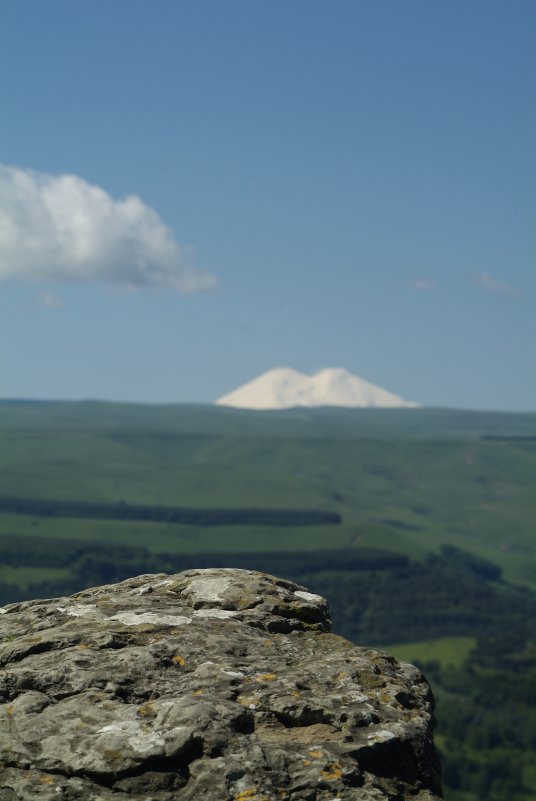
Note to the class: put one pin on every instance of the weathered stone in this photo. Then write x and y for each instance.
(221, 685)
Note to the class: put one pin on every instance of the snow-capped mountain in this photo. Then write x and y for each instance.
(284, 388)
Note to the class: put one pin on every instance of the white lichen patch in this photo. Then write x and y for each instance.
(223, 614)
(140, 618)
(380, 736)
(127, 733)
(234, 674)
(208, 588)
(310, 597)
(3, 611)
(148, 588)
(79, 610)
(358, 698)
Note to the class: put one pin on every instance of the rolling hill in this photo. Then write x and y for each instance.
(408, 480)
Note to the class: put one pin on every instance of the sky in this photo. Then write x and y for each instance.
(193, 192)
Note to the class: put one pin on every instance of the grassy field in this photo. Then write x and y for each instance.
(448, 651)
(25, 576)
(325, 422)
(404, 480)
(170, 538)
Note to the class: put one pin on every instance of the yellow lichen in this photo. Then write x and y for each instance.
(316, 753)
(332, 771)
(111, 754)
(249, 795)
(247, 700)
(46, 780)
(146, 711)
(198, 692)
(179, 660)
(10, 710)
(267, 677)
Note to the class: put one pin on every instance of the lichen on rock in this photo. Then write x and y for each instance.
(221, 684)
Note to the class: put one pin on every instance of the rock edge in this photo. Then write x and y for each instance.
(219, 684)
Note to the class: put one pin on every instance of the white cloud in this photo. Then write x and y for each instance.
(490, 284)
(61, 228)
(422, 284)
(49, 300)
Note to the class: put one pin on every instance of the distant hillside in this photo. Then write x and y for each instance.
(405, 480)
(206, 419)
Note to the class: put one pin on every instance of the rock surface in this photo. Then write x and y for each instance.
(213, 685)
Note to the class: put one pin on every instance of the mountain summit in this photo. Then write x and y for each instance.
(284, 388)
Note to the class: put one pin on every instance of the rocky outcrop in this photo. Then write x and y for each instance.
(209, 685)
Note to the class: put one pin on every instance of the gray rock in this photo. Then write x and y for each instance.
(213, 685)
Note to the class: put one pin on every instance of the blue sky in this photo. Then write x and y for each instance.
(192, 193)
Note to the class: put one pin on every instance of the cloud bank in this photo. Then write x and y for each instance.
(61, 228)
(490, 284)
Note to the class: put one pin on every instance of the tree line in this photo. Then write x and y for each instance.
(43, 507)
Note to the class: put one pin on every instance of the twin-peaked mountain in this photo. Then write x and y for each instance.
(284, 388)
